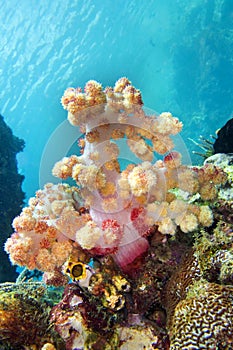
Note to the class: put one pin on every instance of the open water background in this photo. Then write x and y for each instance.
(179, 53)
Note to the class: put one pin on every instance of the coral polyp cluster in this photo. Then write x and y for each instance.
(74, 100)
(131, 230)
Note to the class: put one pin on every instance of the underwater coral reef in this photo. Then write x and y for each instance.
(140, 242)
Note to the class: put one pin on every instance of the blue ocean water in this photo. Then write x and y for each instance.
(177, 52)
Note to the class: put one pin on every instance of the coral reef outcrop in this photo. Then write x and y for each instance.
(139, 240)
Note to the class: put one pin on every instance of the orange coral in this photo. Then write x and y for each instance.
(171, 194)
(63, 168)
(121, 84)
(42, 245)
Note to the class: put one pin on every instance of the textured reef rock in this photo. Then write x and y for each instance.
(85, 324)
(199, 295)
(11, 194)
(24, 318)
(203, 320)
(141, 243)
(199, 312)
(225, 162)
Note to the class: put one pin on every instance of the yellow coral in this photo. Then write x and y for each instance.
(205, 216)
(108, 189)
(187, 181)
(117, 134)
(112, 165)
(93, 88)
(141, 179)
(93, 136)
(167, 124)
(141, 149)
(121, 84)
(48, 346)
(162, 144)
(54, 219)
(88, 176)
(188, 222)
(167, 226)
(88, 235)
(208, 191)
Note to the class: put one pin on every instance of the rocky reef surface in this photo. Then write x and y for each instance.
(138, 257)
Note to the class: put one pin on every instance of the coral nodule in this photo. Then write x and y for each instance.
(120, 231)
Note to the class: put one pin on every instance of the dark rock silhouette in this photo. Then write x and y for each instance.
(11, 194)
(224, 141)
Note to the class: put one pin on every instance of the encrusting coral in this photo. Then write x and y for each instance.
(25, 318)
(121, 231)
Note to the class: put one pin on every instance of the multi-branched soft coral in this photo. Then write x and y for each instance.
(120, 206)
